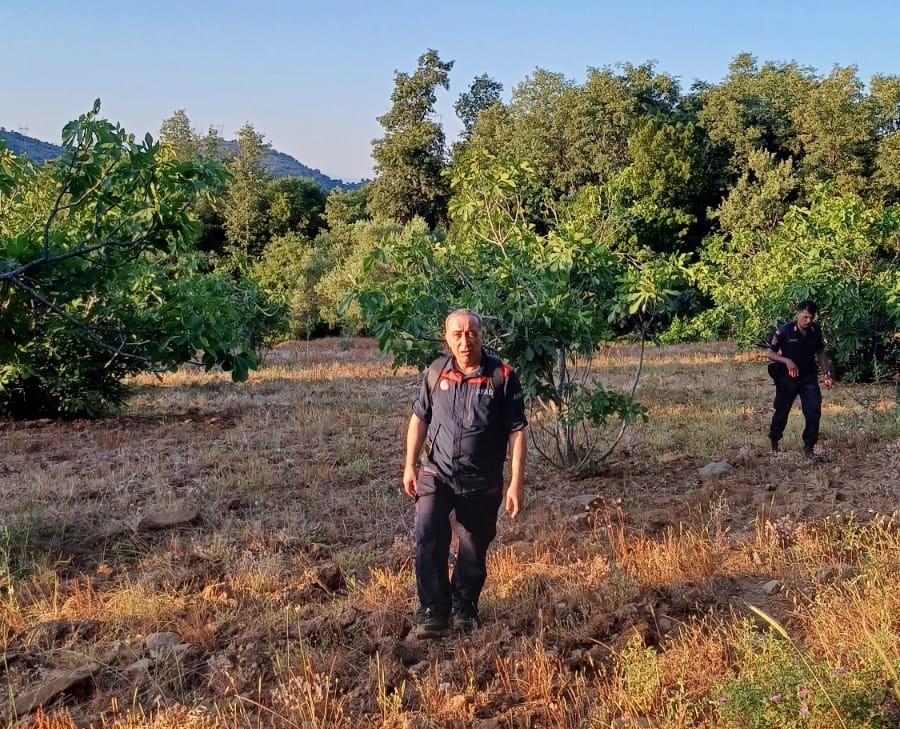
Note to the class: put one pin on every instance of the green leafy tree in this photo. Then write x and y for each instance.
(539, 134)
(625, 128)
(838, 252)
(410, 157)
(753, 109)
(310, 276)
(575, 135)
(288, 271)
(885, 100)
(346, 248)
(749, 122)
(659, 185)
(177, 133)
(761, 196)
(183, 141)
(211, 144)
(482, 94)
(243, 208)
(615, 103)
(345, 207)
(826, 126)
(549, 301)
(835, 128)
(293, 205)
(98, 273)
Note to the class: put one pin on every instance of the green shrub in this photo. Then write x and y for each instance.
(774, 686)
(288, 270)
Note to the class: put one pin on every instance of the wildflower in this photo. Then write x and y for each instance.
(775, 699)
(841, 669)
(803, 693)
(722, 699)
(804, 709)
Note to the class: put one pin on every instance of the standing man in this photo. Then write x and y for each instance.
(470, 415)
(794, 351)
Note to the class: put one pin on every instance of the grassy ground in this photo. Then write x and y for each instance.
(224, 555)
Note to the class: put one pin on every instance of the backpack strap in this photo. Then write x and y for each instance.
(498, 378)
(434, 372)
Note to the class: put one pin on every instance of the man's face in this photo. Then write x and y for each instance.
(804, 319)
(464, 339)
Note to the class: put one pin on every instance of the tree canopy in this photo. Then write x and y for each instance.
(614, 205)
(99, 277)
(410, 157)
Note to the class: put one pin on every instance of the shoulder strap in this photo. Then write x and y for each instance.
(779, 334)
(434, 372)
(498, 378)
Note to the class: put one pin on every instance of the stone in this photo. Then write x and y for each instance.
(167, 519)
(771, 587)
(586, 502)
(139, 670)
(716, 469)
(51, 689)
(167, 646)
(836, 572)
(161, 641)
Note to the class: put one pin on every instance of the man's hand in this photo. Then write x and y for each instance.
(827, 382)
(515, 494)
(514, 498)
(415, 437)
(791, 367)
(409, 481)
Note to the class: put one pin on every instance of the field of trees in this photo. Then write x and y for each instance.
(179, 549)
(572, 214)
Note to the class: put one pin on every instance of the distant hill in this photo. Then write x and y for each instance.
(22, 146)
(281, 164)
(278, 163)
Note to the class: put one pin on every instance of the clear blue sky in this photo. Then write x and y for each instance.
(312, 77)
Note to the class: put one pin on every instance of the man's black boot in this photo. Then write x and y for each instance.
(810, 455)
(465, 617)
(431, 626)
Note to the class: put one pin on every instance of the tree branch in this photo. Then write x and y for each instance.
(87, 329)
(80, 252)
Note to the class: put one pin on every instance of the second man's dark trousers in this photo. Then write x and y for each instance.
(786, 391)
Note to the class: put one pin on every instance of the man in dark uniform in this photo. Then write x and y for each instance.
(470, 417)
(795, 350)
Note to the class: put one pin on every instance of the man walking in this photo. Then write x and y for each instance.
(469, 415)
(794, 351)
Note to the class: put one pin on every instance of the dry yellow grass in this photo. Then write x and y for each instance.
(614, 597)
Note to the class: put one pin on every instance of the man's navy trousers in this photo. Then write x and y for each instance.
(476, 527)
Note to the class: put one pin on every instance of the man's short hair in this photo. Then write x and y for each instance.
(463, 312)
(808, 305)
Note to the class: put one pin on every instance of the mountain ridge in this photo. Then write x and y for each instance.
(279, 164)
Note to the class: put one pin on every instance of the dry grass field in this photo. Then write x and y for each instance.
(228, 555)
